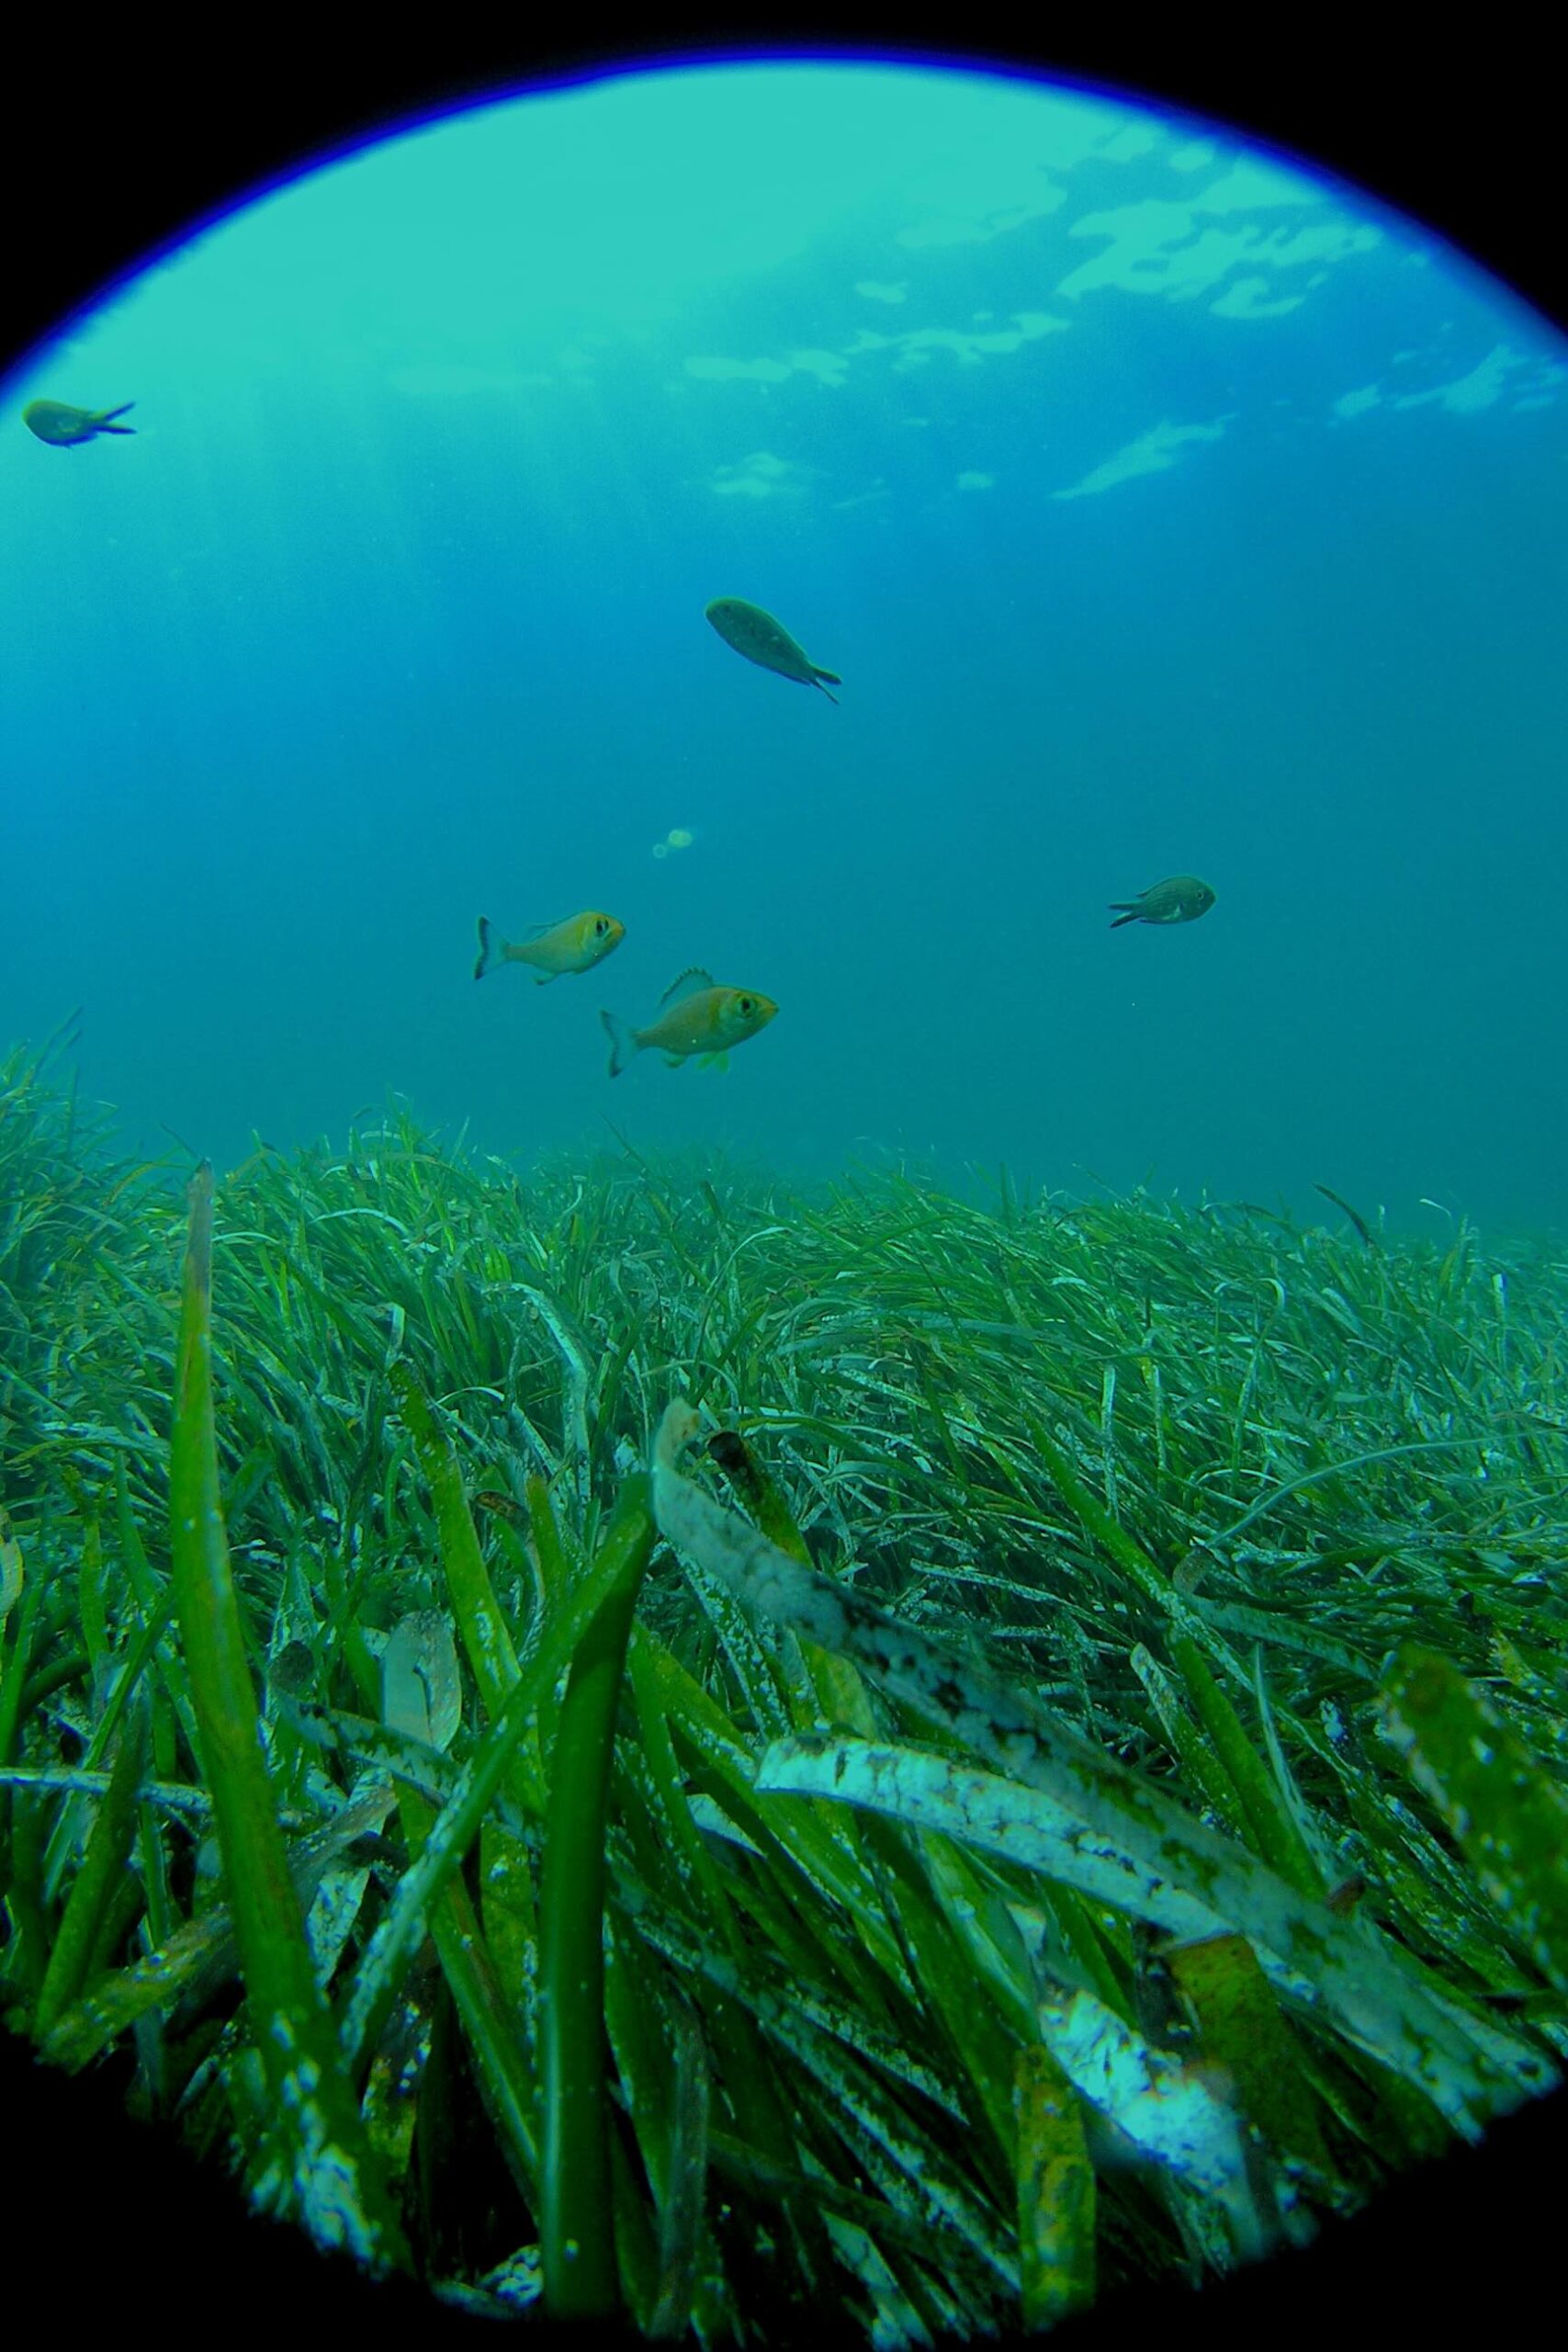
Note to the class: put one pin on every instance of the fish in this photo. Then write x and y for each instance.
(552, 949)
(1181, 899)
(696, 1018)
(66, 428)
(759, 636)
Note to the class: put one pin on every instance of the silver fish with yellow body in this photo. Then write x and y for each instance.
(66, 428)
(761, 639)
(696, 1018)
(1181, 899)
(552, 949)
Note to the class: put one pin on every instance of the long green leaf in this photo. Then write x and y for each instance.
(1510, 1818)
(575, 2217)
(321, 2166)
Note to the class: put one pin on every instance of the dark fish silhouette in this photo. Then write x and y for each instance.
(66, 428)
(1181, 899)
(759, 636)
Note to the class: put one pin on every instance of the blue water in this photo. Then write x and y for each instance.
(1164, 509)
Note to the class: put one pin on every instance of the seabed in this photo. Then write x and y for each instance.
(634, 1739)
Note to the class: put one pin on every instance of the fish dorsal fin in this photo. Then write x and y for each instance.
(538, 930)
(691, 983)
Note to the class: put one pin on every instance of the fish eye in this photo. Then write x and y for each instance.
(748, 1004)
(601, 927)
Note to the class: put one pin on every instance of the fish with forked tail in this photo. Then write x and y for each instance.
(66, 428)
(754, 633)
(552, 949)
(695, 1019)
(1180, 899)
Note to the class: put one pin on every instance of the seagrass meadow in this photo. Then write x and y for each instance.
(629, 1740)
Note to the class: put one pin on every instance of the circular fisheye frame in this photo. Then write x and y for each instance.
(909, 1670)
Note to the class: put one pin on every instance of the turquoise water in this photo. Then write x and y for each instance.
(1164, 509)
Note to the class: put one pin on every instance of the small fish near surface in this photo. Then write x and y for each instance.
(696, 1018)
(551, 949)
(1181, 899)
(67, 428)
(760, 637)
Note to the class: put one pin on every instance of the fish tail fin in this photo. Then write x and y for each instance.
(823, 679)
(105, 416)
(492, 948)
(1129, 913)
(622, 1041)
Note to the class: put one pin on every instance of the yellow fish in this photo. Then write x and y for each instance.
(695, 1017)
(55, 422)
(575, 945)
